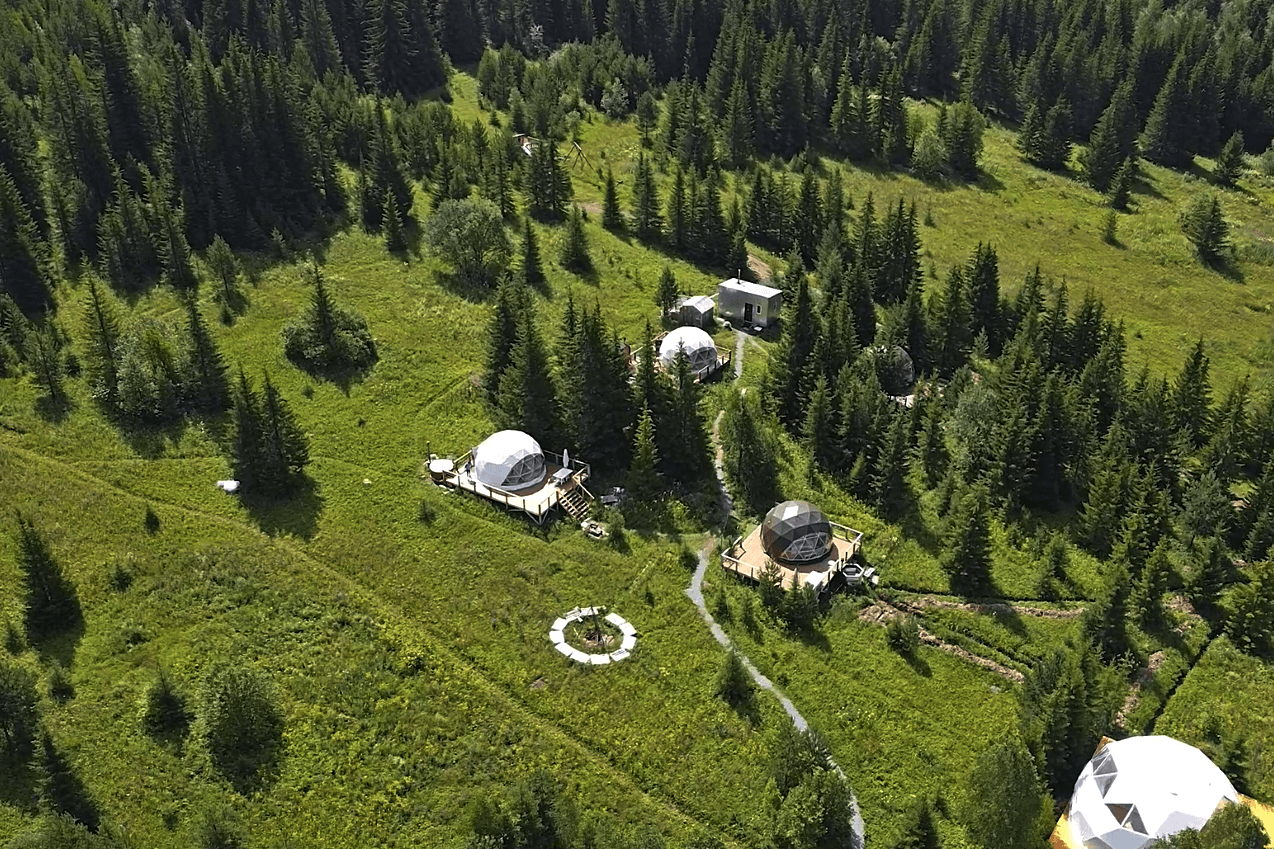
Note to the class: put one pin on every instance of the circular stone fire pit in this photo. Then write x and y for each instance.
(558, 636)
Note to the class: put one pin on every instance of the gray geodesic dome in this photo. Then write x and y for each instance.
(1137, 790)
(509, 459)
(695, 343)
(796, 532)
(894, 369)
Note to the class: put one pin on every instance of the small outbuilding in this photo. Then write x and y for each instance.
(750, 303)
(697, 346)
(697, 311)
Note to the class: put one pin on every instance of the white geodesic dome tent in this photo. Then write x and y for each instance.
(1135, 791)
(509, 459)
(695, 343)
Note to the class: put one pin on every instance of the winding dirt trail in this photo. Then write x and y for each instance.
(695, 593)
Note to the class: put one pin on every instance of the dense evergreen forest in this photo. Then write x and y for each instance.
(135, 133)
(162, 144)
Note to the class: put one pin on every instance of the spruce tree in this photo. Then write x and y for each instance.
(1147, 595)
(612, 216)
(687, 452)
(890, 493)
(548, 185)
(1121, 186)
(677, 212)
(532, 269)
(318, 38)
(1191, 402)
(103, 328)
(793, 354)
(44, 354)
(395, 236)
(858, 292)
(206, 384)
(643, 481)
(646, 219)
(575, 255)
(19, 156)
(460, 30)
(963, 138)
(1229, 162)
(225, 270)
(667, 292)
(1030, 134)
(1166, 135)
(1055, 563)
(1113, 139)
(248, 447)
(1003, 802)
(52, 606)
(1104, 622)
(401, 52)
(1203, 223)
(502, 333)
(983, 279)
(24, 274)
(818, 431)
(526, 399)
(1212, 571)
(931, 448)
(1054, 148)
(967, 559)
(285, 450)
(750, 455)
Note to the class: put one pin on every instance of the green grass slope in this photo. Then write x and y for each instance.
(405, 628)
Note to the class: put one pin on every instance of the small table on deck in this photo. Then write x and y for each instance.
(561, 476)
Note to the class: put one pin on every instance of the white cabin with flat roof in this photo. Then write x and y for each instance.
(751, 304)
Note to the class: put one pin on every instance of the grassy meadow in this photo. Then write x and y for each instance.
(405, 628)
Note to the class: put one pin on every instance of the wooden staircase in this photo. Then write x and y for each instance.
(575, 502)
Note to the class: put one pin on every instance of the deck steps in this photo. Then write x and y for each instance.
(575, 503)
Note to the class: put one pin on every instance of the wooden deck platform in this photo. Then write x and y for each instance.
(747, 559)
(724, 356)
(539, 501)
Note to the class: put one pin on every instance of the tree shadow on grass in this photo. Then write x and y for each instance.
(1227, 268)
(918, 664)
(231, 306)
(295, 514)
(54, 409)
(1142, 185)
(474, 293)
(986, 182)
(1010, 619)
(18, 785)
(61, 647)
(344, 378)
(746, 708)
(254, 772)
(150, 441)
(61, 790)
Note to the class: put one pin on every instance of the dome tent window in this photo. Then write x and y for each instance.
(509, 459)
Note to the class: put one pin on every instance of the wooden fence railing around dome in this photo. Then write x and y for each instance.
(537, 502)
(747, 559)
